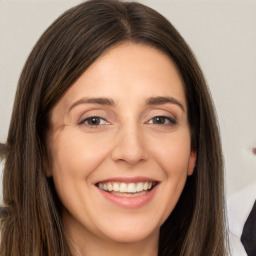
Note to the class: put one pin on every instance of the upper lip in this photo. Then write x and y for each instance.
(128, 179)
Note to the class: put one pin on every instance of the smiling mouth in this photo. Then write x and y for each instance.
(127, 189)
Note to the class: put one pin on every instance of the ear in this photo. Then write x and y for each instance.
(192, 162)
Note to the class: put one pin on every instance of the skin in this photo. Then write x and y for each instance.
(127, 141)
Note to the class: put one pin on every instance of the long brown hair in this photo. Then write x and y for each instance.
(67, 48)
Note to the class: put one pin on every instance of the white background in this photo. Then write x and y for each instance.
(222, 35)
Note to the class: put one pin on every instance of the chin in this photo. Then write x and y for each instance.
(129, 235)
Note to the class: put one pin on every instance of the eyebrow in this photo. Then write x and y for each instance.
(100, 101)
(164, 100)
(109, 102)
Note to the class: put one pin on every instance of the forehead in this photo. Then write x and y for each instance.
(129, 72)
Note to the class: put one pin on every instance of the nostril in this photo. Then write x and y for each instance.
(254, 151)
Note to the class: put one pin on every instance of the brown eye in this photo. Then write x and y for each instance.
(94, 121)
(160, 120)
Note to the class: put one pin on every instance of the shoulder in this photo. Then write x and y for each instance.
(239, 207)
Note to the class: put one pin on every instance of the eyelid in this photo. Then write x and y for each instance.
(172, 121)
(93, 111)
(84, 120)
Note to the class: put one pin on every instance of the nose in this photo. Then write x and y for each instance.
(129, 146)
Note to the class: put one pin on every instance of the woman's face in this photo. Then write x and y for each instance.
(120, 145)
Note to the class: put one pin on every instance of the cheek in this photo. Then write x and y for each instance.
(173, 157)
(172, 153)
(76, 155)
(75, 158)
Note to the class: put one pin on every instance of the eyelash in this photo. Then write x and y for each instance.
(167, 121)
(91, 118)
(170, 121)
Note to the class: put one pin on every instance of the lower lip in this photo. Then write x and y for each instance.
(130, 202)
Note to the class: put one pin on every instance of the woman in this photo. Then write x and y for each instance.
(113, 145)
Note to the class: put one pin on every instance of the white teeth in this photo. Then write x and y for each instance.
(116, 187)
(145, 186)
(125, 187)
(139, 187)
(109, 186)
(131, 188)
